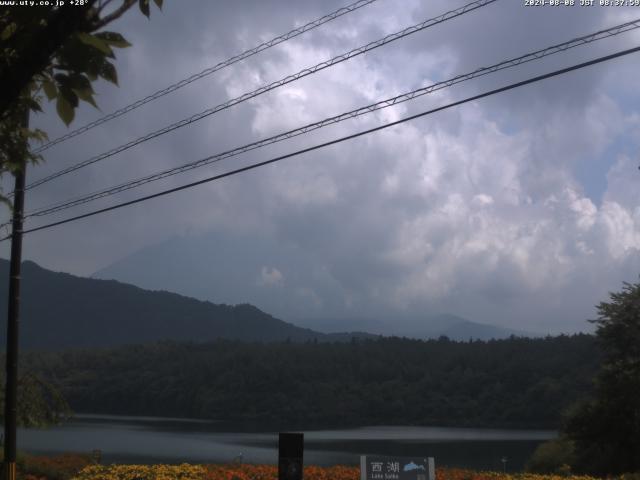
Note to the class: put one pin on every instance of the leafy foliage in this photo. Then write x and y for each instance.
(83, 56)
(40, 403)
(555, 456)
(137, 472)
(74, 466)
(511, 383)
(59, 467)
(270, 472)
(463, 474)
(606, 429)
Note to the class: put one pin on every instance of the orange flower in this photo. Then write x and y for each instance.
(64, 467)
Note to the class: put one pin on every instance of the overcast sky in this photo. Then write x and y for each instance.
(522, 209)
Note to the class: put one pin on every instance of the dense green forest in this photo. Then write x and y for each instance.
(519, 382)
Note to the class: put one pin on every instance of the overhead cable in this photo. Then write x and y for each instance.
(538, 54)
(208, 71)
(335, 141)
(266, 88)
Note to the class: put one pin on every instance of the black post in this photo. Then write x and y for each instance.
(11, 388)
(290, 449)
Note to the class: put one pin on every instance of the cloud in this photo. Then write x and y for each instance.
(483, 210)
(270, 277)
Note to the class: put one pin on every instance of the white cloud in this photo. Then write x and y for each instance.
(270, 277)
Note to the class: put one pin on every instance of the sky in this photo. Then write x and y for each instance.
(521, 209)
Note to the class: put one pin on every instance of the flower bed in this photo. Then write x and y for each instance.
(140, 472)
(462, 474)
(58, 467)
(270, 472)
(80, 467)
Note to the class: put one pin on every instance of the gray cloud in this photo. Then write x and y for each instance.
(478, 211)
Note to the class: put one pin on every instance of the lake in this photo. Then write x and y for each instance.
(125, 439)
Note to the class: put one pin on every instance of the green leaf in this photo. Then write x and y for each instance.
(94, 67)
(61, 78)
(95, 42)
(39, 135)
(158, 3)
(109, 73)
(34, 105)
(65, 110)
(8, 31)
(33, 86)
(144, 7)
(86, 95)
(49, 88)
(69, 95)
(79, 82)
(78, 56)
(114, 39)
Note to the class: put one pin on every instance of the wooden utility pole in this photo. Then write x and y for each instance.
(13, 320)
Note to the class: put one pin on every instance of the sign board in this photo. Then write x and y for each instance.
(290, 453)
(373, 467)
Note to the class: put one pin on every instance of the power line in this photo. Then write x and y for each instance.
(266, 88)
(338, 140)
(539, 54)
(208, 71)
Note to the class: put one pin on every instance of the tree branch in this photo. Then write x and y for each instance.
(103, 4)
(126, 5)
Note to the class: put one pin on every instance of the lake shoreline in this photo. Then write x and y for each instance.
(159, 440)
(274, 426)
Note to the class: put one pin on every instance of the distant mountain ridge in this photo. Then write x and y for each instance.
(60, 310)
(280, 278)
(429, 326)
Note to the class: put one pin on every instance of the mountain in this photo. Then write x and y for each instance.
(428, 326)
(59, 310)
(458, 328)
(226, 267)
(465, 330)
(282, 279)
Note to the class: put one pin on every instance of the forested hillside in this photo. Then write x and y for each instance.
(504, 383)
(64, 311)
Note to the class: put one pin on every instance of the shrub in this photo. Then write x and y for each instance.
(59, 467)
(552, 457)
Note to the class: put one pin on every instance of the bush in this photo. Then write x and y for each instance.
(606, 430)
(59, 467)
(552, 457)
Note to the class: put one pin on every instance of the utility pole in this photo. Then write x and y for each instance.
(13, 320)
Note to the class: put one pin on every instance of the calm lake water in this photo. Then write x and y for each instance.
(150, 440)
